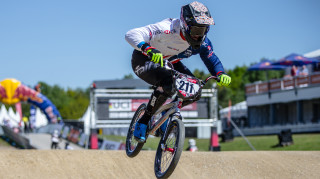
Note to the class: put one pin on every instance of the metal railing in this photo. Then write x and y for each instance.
(283, 84)
(187, 123)
(125, 93)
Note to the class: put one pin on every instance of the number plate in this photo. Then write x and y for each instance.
(187, 86)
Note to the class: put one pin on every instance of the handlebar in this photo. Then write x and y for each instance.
(169, 66)
(209, 78)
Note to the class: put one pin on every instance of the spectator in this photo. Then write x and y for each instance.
(298, 71)
(26, 124)
(192, 146)
(55, 138)
(304, 71)
(68, 147)
(293, 71)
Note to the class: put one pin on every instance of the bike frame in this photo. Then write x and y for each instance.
(174, 107)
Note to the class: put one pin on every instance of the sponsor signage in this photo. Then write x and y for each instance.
(125, 108)
(112, 145)
(275, 85)
(120, 105)
(251, 89)
(315, 79)
(288, 83)
(302, 80)
(263, 87)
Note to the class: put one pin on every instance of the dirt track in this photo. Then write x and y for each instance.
(115, 164)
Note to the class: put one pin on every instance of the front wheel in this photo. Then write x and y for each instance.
(132, 146)
(169, 150)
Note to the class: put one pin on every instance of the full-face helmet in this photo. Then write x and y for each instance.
(195, 21)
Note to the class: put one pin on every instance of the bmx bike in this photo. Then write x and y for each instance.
(172, 138)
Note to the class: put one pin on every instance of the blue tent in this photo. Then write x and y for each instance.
(295, 59)
(266, 65)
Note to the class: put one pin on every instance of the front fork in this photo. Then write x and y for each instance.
(165, 133)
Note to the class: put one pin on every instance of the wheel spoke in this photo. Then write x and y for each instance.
(131, 143)
(169, 150)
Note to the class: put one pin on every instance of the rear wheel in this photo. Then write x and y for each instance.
(169, 150)
(132, 146)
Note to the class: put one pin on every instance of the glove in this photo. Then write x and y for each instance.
(155, 56)
(225, 80)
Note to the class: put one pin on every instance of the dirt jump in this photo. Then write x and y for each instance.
(115, 164)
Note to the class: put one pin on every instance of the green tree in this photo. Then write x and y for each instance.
(71, 103)
(237, 86)
(128, 76)
(235, 92)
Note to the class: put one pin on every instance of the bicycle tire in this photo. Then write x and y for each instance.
(132, 146)
(178, 126)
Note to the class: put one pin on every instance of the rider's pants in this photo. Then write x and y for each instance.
(153, 74)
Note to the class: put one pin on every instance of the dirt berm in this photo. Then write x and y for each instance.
(115, 164)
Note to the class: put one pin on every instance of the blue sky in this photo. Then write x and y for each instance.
(73, 42)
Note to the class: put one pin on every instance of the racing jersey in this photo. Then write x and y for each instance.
(166, 37)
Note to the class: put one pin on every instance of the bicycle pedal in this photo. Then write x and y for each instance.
(140, 140)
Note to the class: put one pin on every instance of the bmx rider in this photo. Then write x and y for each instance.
(173, 40)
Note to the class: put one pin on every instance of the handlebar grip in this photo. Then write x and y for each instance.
(218, 79)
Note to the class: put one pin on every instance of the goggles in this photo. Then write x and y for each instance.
(198, 31)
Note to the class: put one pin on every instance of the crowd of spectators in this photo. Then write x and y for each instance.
(298, 71)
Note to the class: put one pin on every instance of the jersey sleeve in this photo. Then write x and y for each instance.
(138, 36)
(210, 59)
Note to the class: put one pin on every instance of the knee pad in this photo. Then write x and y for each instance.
(168, 90)
(158, 98)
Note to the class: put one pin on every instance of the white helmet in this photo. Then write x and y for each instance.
(192, 142)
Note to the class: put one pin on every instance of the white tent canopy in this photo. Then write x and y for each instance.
(86, 119)
(9, 118)
(13, 116)
(41, 119)
(12, 119)
(3, 115)
(313, 54)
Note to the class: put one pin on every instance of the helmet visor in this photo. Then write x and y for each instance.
(198, 31)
